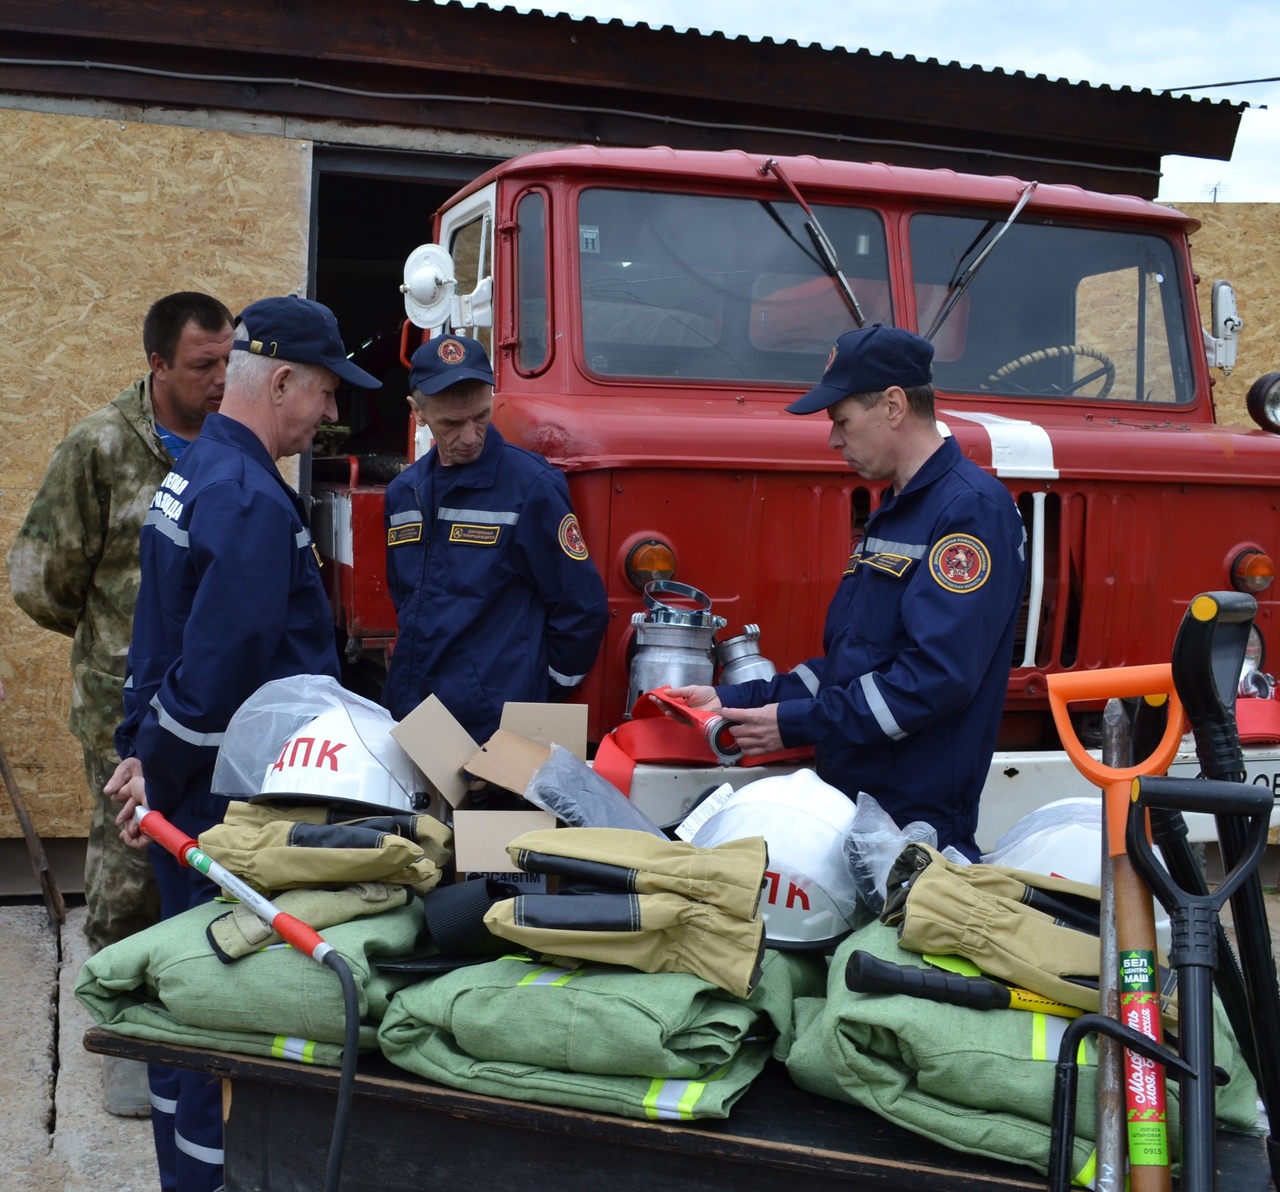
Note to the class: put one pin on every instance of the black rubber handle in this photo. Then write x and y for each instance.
(865, 973)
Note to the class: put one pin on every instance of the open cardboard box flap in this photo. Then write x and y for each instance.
(522, 744)
(445, 752)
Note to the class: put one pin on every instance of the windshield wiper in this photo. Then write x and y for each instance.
(826, 250)
(957, 290)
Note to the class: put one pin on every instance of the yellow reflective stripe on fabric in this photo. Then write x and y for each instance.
(1046, 1038)
(549, 975)
(1088, 1173)
(290, 1047)
(674, 1100)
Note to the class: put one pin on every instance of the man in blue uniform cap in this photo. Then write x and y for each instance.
(495, 597)
(905, 702)
(230, 598)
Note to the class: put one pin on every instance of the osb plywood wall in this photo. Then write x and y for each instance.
(99, 218)
(1240, 242)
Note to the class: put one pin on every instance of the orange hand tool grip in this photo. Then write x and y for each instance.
(1115, 683)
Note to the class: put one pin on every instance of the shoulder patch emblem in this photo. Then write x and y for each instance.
(570, 536)
(451, 352)
(960, 563)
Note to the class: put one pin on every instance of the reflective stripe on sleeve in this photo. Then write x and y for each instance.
(878, 545)
(404, 517)
(168, 527)
(879, 709)
(180, 730)
(807, 677)
(565, 680)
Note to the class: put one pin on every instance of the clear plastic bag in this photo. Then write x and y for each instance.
(576, 795)
(269, 717)
(872, 844)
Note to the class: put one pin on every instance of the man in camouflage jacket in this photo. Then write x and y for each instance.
(74, 565)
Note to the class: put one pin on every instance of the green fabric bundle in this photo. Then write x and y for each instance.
(655, 1045)
(980, 1081)
(167, 984)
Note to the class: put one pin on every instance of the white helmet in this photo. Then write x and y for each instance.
(345, 755)
(809, 895)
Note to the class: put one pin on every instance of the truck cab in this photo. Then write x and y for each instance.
(650, 313)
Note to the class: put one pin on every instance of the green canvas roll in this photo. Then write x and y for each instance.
(166, 983)
(599, 1019)
(980, 1081)
(438, 1057)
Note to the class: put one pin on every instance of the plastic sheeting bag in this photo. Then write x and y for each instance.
(576, 795)
(271, 715)
(1061, 839)
(872, 843)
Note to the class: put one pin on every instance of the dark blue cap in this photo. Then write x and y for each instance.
(869, 360)
(446, 360)
(304, 332)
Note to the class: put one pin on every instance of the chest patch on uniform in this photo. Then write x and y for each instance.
(472, 535)
(960, 563)
(570, 536)
(399, 535)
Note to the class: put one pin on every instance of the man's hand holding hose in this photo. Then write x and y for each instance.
(754, 729)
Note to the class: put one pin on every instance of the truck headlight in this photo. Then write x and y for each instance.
(1263, 401)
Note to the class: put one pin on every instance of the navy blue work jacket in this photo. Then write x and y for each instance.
(905, 704)
(495, 597)
(231, 598)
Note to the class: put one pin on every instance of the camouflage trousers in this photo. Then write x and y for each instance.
(119, 886)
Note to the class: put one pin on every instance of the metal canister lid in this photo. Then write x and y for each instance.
(662, 613)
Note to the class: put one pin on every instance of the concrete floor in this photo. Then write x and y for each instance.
(57, 1137)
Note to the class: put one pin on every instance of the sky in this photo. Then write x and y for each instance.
(1155, 44)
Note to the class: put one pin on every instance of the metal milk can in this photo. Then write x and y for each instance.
(740, 658)
(674, 646)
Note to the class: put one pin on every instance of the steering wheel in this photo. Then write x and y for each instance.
(1108, 368)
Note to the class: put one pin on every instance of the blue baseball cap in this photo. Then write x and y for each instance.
(299, 330)
(447, 359)
(869, 360)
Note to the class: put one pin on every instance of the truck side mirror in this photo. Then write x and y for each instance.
(429, 286)
(1220, 344)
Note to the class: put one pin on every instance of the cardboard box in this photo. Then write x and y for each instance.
(445, 752)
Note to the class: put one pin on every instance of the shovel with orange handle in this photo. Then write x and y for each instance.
(1149, 1169)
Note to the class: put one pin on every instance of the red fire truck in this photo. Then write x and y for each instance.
(650, 312)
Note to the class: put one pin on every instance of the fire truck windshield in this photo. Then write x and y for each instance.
(1055, 312)
(716, 288)
(719, 288)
